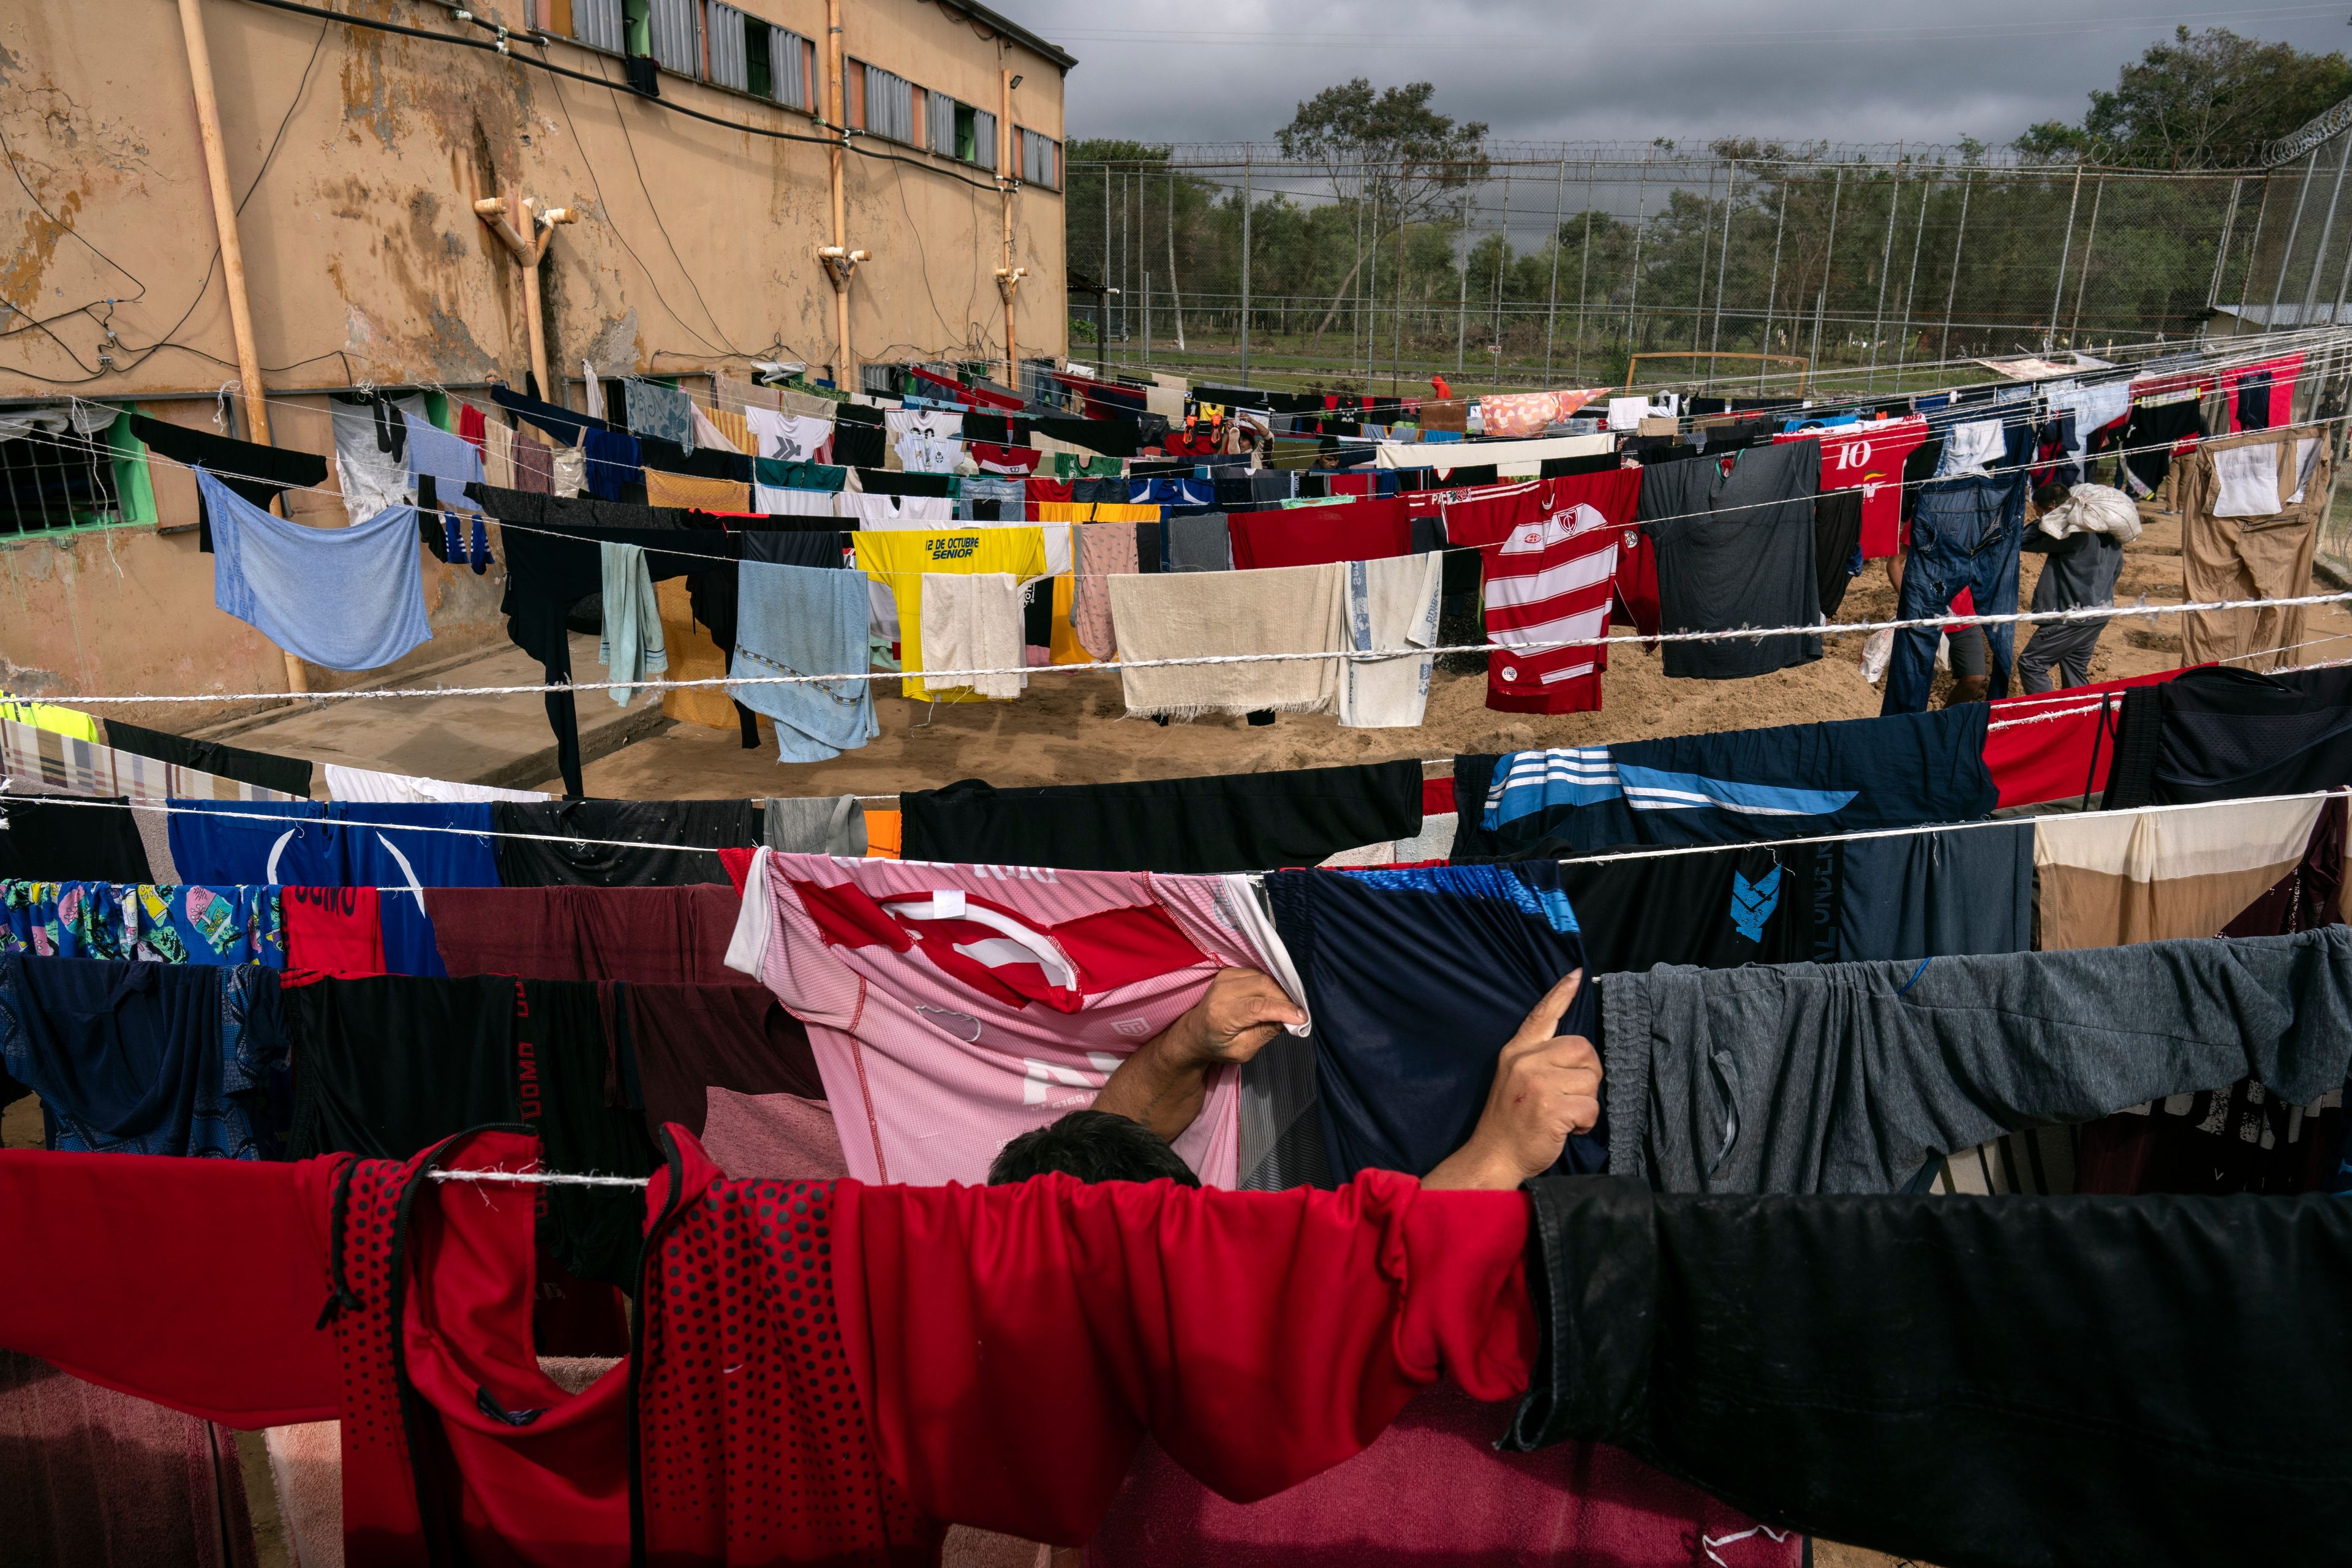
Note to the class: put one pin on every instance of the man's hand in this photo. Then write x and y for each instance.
(1164, 1084)
(1235, 1016)
(1546, 1087)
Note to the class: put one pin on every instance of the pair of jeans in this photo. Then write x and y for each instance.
(1966, 534)
(1963, 1380)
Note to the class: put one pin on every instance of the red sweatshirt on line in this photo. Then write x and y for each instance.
(825, 1372)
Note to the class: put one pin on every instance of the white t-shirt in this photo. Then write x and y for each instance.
(792, 437)
(881, 511)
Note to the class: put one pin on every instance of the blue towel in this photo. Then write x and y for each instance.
(450, 461)
(348, 598)
(804, 620)
(662, 412)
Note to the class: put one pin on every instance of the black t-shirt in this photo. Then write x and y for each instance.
(575, 858)
(1735, 550)
(76, 840)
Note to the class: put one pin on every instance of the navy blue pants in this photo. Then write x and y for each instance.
(1967, 535)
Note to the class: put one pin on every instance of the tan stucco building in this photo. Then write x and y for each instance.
(357, 152)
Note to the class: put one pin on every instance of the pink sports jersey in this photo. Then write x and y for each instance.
(1550, 577)
(951, 1008)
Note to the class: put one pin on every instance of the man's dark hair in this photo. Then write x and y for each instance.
(1094, 1146)
(2051, 496)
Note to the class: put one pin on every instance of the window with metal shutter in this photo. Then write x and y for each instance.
(729, 65)
(984, 138)
(940, 123)
(890, 105)
(677, 28)
(787, 51)
(597, 23)
(1037, 160)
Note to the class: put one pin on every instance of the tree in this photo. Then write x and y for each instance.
(2202, 100)
(1388, 151)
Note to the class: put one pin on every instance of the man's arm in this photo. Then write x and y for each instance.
(1164, 1084)
(1546, 1087)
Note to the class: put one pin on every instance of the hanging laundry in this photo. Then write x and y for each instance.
(1548, 577)
(1719, 909)
(1710, 1073)
(1735, 549)
(692, 1044)
(972, 621)
(72, 723)
(335, 931)
(386, 1068)
(370, 451)
(630, 645)
(820, 825)
(2224, 733)
(498, 450)
(86, 839)
(699, 494)
(1938, 894)
(592, 393)
(807, 621)
(452, 464)
(1237, 1308)
(2040, 1443)
(567, 473)
(272, 773)
(1966, 533)
(927, 441)
(790, 438)
(994, 458)
(896, 561)
(1290, 609)
(257, 474)
(661, 412)
(881, 513)
(1869, 459)
(2109, 879)
(142, 1058)
(1407, 1029)
(1791, 781)
(1200, 544)
(364, 784)
(584, 843)
(143, 922)
(1392, 604)
(916, 982)
(1348, 530)
(1236, 822)
(348, 598)
(2251, 507)
(2068, 749)
(610, 465)
(709, 436)
(662, 935)
(2163, 425)
(1104, 549)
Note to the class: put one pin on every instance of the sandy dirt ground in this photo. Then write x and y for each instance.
(1072, 729)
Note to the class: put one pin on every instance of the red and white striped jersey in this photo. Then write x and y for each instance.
(1550, 577)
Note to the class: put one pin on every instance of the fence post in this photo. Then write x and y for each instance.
(1584, 264)
(1722, 269)
(1502, 259)
(1175, 298)
(2065, 249)
(2327, 232)
(2286, 251)
(1952, 290)
(2083, 275)
(1371, 311)
(1634, 294)
(1706, 240)
(1102, 278)
(1828, 261)
(1461, 305)
(1396, 328)
(1551, 306)
(2220, 257)
(1772, 292)
(1126, 261)
(1885, 270)
(1246, 203)
(1911, 283)
(2254, 243)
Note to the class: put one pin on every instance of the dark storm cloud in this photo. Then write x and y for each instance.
(1577, 71)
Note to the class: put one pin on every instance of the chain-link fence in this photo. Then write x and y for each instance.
(1743, 264)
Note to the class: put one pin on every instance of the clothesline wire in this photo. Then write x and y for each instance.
(1714, 513)
(2215, 365)
(953, 678)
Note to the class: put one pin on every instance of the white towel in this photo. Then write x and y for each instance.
(2249, 479)
(1391, 603)
(1184, 615)
(972, 620)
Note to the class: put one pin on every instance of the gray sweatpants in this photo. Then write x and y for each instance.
(1849, 1078)
(2067, 646)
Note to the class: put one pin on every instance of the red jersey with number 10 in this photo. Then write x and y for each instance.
(1869, 457)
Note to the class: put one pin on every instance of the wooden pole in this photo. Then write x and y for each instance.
(844, 369)
(1008, 279)
(526, 232)
(240, 310)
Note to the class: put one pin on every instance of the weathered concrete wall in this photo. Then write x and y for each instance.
(366, 264)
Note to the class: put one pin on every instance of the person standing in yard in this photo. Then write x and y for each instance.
(2083, 532)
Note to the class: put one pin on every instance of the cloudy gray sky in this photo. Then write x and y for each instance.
(1213, 70)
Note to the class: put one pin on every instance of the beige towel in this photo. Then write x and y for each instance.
(1391, 603)
(735, 392)
(1105, 550)
(972, 620)
(1185, 615)
(497, 454)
